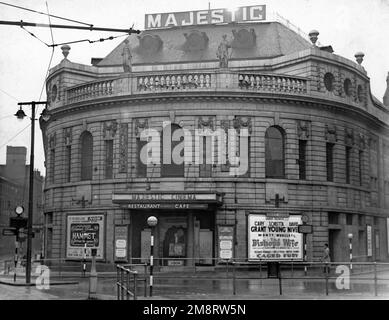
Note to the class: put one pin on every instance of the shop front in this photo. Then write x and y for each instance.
(185, 232)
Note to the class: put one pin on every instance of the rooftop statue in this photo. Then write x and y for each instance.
(222, 52)
(127, 57)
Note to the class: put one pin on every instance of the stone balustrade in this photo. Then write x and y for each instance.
(272, 83)
(91, 90)
(174, 82)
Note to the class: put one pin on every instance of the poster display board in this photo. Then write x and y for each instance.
(226, 242)
(273, 238)
(121, 242)
(369, 241)
(85, 231)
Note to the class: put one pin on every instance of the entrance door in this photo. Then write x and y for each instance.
(174, 246)
(334, 245)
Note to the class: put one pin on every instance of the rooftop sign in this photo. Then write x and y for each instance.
(203, 17)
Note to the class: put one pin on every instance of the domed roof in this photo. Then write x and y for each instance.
(200, 43)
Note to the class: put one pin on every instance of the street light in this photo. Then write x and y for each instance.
(152, 222)
(350, 239)
(20, 114)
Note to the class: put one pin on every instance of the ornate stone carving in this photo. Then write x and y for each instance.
(109, 129)
(348, 137)
(206, 124)
(330, 133)
(243, 39)
(140, 124)
(149, 44)
(303, 128)
(127, 57)
(52, 140)
(123, 147)
(195, 40)
(84, 126)
(222, 52)
(242, 122)
(67, 135)
(361, 141)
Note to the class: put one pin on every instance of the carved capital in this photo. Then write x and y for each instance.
(67, 135)
(109, 129)
(303, 129)
(330, 133)
(141, 124)
(348, 136)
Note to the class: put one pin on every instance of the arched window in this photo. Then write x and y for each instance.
(274, 153)
(172, 157)
(86, 155)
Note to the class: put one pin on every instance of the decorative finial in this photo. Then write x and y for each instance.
(313, 36)
(359, 57)
(386, 95)
(65, 50)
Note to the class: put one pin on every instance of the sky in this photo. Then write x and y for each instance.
(347, 25)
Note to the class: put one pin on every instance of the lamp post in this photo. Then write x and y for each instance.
(152, 222)
(20, 115)
(350, 239)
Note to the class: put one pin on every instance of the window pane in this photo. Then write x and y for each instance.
(173, 169)
(108, 159)
(274, 153)
(141, 168)
(86, 156)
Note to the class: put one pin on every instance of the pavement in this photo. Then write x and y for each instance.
(201, 286)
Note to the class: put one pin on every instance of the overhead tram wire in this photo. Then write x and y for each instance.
(4, 144)
(58, 17)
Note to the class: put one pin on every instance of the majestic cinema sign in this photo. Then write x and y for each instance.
(202, 17)
(159, 200)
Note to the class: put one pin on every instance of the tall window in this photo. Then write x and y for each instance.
(68, 161)
(174, 152)
(108, 159)
(86, 155)
(360, 165)
(274, 153)
(348, 157)
(141, 166)
(302, 159)
(206, 155)
(330, 161)
(52, 165)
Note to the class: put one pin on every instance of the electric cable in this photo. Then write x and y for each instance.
(4, 144)
(58, 17)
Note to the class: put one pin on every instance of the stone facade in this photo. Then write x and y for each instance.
(287, 91)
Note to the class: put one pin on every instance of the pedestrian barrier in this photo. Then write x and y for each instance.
(125, 276)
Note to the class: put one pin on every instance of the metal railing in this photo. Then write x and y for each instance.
(127, 281)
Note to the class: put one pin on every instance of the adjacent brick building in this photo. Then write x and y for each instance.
(318, 146)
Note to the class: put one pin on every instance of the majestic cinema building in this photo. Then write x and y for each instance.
(300, 119)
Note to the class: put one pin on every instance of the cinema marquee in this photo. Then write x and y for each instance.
(203, 17)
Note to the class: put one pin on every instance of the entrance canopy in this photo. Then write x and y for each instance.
(167, 200)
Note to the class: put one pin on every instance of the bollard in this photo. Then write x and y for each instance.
(280, 283)
(135, 276)
(234, 279)
(93, 277)
(326, 275)
(128, 285)
(375, 279)
(118, 280)
(145, 281)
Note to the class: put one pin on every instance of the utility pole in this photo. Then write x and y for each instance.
(20, 115)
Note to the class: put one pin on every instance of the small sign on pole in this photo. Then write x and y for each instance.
(9, 232)
(305, 228)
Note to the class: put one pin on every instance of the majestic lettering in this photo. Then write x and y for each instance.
(212, 16)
